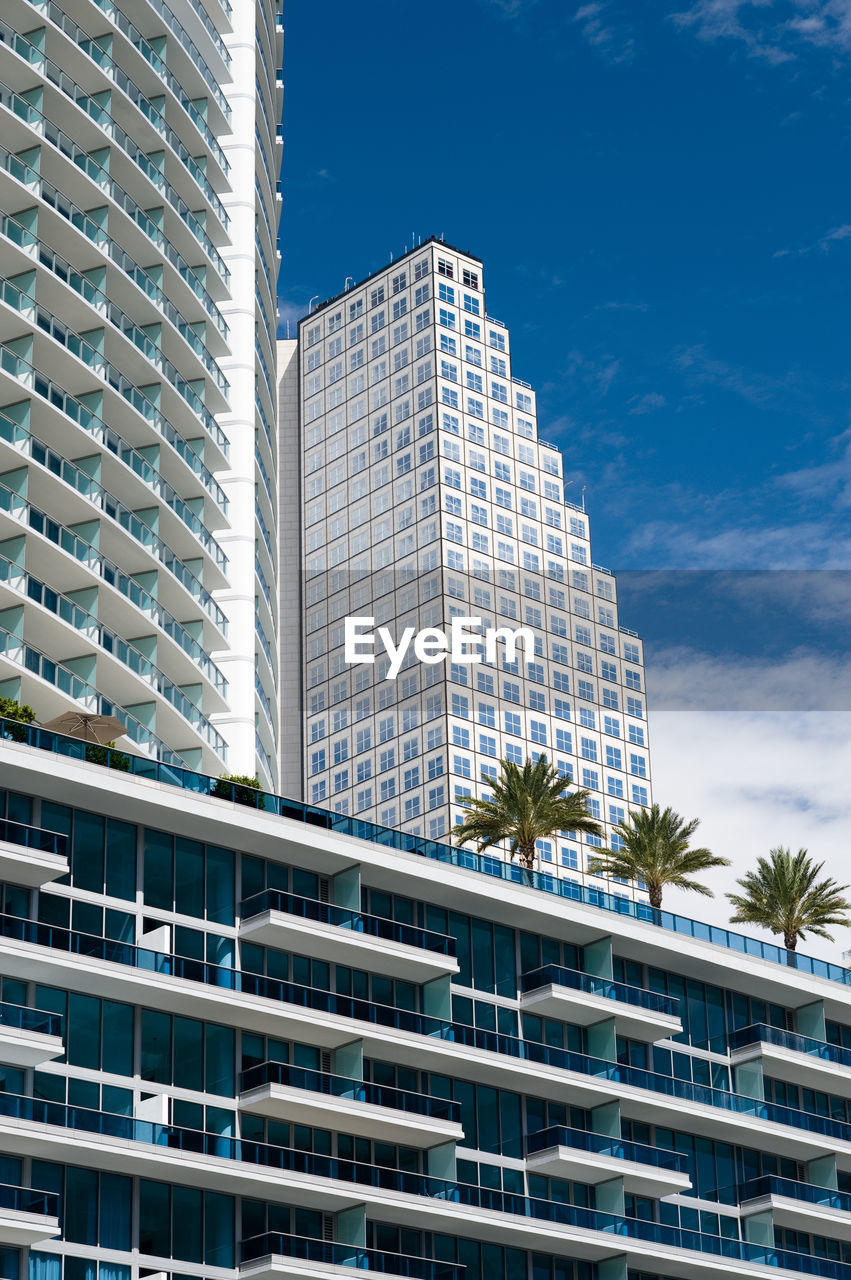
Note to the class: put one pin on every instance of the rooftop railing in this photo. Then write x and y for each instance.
(483, 864)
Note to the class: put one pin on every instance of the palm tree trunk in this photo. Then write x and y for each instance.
(526, 857)
(790, 939)
(655, 895)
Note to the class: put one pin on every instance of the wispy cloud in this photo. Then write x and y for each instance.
(289, 313)
(606, 33)
(699, 368)
(823, 245)
(623, 306)
(647, 403)
(598, 374)
(775, 31)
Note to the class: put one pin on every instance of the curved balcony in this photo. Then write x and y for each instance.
(22, 512)
(289, 921)
(142, 173)
(46, 325)
(76, 221)
(54, 688)
(30, 855)
(590, 1157)
(583, 998)
(107, 308)
(359, 1107)
(83, 168)
(112, 651)
(275, 1256)
(54, 400)
(94, 60)
(52, 464)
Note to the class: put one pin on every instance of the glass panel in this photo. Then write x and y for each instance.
(120, 860)
(158, 870)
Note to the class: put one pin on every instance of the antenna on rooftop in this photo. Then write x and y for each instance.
(584, 487)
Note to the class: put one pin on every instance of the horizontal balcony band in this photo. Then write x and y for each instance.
(17, 234)
(113, 645)
(45, 322)
(105, 184)
(267, 707)
(274, 1254)
(23, 511)
(24, 442)
(591, 1233)
(24, 657)
(34, 382)
(116, 75)
(113, 132)
(581, 1155)
(605, 1079)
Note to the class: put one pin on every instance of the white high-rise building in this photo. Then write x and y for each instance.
(427, 494)
(139, 158)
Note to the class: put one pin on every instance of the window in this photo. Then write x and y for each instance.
(589, 748)
(636, 734)
(496, 340)
(615, 787)
(613, 757)
(447, 319)
(639, 795)
(472, 304)
(538, 731)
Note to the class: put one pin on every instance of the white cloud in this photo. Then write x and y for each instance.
(756, 781)
(824, 244)
(647, 403)
(610, 38)
(775, 31)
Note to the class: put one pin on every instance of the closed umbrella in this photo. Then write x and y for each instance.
(77, 724)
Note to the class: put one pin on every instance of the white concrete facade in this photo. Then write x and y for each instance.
(139, 160)
(427, 494)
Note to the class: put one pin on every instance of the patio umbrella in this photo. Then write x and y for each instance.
(77, 724)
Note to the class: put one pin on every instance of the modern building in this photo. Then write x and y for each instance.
(427, 494)
(139, 157)
(276, 1044)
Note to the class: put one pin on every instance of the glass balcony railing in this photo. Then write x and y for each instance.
(554, 975)
(339, 1005)
(377, 1095)
(761, 1033)
(202, 1142)
(33, 837)
(28, 1200)
(806, 1192)
(653, 1232)
(24, 1018)
(327, 913)
(483, 864)
(603, 1145)
(331, 1253)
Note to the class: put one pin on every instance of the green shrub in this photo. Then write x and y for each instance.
(11, 709)
(107, 755)
(239, 787)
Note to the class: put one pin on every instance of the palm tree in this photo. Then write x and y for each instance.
(528, 804)
(655, 849)
(785, 895)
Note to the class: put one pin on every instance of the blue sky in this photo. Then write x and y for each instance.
(660, 194)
